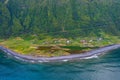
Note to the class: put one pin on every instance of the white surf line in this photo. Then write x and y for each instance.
(6, 1)
(86, 55)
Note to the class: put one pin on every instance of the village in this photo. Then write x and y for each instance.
(55, 46)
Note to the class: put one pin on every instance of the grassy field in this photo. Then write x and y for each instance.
(56, 47)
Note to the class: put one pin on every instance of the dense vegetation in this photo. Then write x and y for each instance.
(60, 18)
(58, 27)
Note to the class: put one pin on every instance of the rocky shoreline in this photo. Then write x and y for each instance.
(86, 55)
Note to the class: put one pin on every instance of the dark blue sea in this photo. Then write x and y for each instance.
(106, 67)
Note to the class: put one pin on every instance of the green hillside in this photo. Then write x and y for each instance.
(58, 27)
(59, 18)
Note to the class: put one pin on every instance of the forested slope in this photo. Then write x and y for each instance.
(66, 18)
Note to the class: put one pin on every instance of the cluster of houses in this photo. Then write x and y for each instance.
(88, 42)
(68, 41)
(59, 41)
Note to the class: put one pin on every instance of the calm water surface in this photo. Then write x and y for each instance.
(106, 67)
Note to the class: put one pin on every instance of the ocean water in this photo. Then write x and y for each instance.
(106, 67)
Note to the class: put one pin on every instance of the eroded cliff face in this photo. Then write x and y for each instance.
(66, 17)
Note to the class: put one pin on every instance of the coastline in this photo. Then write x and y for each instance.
(86, 55)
